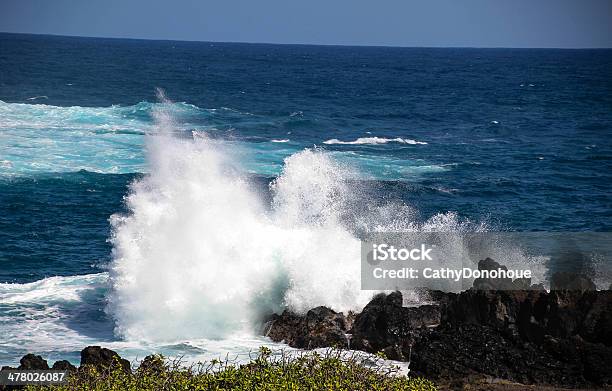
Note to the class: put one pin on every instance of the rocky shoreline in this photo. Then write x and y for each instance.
(503, 334)
(95, 356)
(504, 330)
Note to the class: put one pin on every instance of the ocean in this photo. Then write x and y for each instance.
(161, 196)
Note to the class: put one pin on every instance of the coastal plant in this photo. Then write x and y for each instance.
(331, 370)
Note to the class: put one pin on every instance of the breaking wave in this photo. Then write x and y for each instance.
(202, 254)
(375, 140)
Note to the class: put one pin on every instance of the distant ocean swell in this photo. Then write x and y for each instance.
(39, 138)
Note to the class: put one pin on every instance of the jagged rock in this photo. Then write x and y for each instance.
(320, 327)
(103, 358)
(535, 314)
(451, 352)
(349, 320)
(563, 314)
(594, 361)
(597, 322)
(500, 283)
(63, 365)
(325, 328)
(489, 283)
(385, 322)
(597, 362)
(498, 309)
(286, 327)
(394, 353)
(521, 333)
(558, 313)
(31, 361)
(152, 363)
(571, 281)
(458, 352)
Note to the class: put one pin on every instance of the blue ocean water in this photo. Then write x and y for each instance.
(517, 140)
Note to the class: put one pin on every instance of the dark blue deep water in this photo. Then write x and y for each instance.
(519, 139)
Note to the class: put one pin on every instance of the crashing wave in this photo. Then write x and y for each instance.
(200, 254)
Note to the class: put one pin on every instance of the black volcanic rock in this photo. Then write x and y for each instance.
(498, 329)
(320, 327)
(63, 365)
(486, 307)
(458, 352)
(571, 281)
(592, 361)
(153, 363)
(558, 313)
(535, 314)
(325, 328)
(489, 283)
(103, 358)
(596, 324)
(31, 361)
(501, 283)
(563, 314)
(385, 324)
(286, 327)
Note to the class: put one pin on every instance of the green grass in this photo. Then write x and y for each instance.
(310, 371)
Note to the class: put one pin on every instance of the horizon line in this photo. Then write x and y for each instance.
(309, 44)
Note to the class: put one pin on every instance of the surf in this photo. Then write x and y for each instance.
(202, 254)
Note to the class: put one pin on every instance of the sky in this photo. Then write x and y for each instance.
(424, 23)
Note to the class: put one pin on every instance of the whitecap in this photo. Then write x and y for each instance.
(375, 140)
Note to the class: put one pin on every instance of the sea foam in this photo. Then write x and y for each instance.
(200, 254)
(375, 140)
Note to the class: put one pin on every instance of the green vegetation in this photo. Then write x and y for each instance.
(309, 371)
